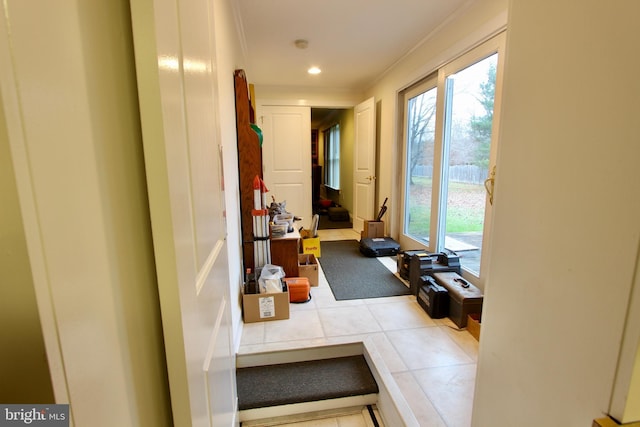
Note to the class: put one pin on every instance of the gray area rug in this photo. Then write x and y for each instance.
(351, 275)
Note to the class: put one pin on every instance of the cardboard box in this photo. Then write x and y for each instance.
(473, 325)
(311, 246)
(373, 229)
(308, 267)
(264, 307)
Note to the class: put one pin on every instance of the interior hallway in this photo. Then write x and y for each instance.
(433, 364)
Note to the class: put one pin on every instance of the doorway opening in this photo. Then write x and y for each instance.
(332, 138)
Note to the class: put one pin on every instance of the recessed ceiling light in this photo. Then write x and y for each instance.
(314, 70)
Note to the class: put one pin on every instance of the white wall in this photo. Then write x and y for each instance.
(346, 119)
(277, 95)
(472, 25)
(625, 399)
(24, 372)
(566, 229)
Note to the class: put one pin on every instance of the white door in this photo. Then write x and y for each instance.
(179, 113)
(364, 170)
(286, 153)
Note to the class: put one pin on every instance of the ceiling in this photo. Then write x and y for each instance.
(354, 42)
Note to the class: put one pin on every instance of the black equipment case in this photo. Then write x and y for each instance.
(433, 298)
(464, 297)
(379, 246)
(425, 263)
(404, 262)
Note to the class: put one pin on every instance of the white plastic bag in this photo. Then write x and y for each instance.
(270, 279)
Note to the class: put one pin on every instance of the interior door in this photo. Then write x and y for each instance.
(286, 153)
(364, 154)
(177, 90)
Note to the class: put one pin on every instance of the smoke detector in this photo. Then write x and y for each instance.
(301, 43)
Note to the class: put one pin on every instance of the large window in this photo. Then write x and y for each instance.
(449, 145)
(332, 157)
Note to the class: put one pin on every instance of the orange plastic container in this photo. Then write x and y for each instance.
(299, 289)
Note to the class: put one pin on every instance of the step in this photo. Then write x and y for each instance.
(371, 383)
(305, 381)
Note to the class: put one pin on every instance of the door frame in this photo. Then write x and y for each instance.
(264, 100)
(287, 177)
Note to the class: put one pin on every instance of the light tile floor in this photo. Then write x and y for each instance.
(433, 363)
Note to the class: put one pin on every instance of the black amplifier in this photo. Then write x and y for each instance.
(425, 263)
(405, 260)
(433, 298)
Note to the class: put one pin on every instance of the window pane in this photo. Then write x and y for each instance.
(467, 140)
(332, 161)
(421, 119)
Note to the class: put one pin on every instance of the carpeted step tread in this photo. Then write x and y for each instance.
(307, 381)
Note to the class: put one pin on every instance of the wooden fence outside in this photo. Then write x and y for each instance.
(470, 174)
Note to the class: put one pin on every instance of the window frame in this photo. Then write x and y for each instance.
(428, 83)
